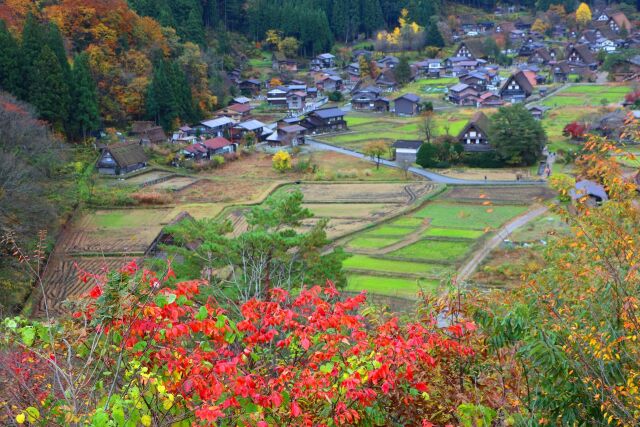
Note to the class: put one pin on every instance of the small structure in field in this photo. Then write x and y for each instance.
(406, 150)
(407, 105)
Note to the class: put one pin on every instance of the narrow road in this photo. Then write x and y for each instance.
(470, 267)
(435, 177)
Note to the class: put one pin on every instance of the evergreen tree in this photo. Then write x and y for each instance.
(53, 39)
(169, 96)
(433, 36)
(517, 137)
(422, 11)
(49, 91)
(371, 16)
(194, 28)
(9, 61)
(33, 39)
(85, 114)
(402, 72)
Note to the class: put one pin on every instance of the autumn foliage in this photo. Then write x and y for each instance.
(575, 130)
(309, 359)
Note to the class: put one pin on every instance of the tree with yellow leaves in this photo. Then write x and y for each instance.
(282, 161)
(540, 26)
(583, 14)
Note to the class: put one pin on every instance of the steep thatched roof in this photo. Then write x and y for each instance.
(127, 154)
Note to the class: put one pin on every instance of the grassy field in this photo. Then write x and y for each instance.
(588, 95)
(389, 230)
(363, 262)
(469, 216)
(433, 250)
(453, 232)
(372, 242)
(394, 286)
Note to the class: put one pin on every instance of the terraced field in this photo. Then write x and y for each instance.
(423, 249)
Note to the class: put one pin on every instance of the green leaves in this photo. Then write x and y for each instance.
(202, 313)
(28, 335)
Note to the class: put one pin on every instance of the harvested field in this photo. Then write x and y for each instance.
(363, 193)
(173, 184)
(227, 191)
(497, 194)
(332, 166)
(146, 177)
(346, 210)
(126, 231)
(62, 281)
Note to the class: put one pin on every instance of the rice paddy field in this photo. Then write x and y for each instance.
(422, 250)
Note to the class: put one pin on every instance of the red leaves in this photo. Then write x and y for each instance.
(311, 351)
(95, 292)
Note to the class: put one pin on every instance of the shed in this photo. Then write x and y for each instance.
(406, 150)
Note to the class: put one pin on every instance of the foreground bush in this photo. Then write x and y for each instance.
(138, 351)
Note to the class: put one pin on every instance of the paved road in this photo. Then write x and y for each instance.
(467, 270)
(435, 177)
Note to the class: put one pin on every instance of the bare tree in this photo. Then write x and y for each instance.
(428, 127)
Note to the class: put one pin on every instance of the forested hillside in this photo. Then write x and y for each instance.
(100, 51)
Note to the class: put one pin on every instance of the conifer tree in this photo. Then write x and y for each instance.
(402, 71)
(9, 61)
(49, 91)
(371, 14)
(433, 36)
(33, 39)
(85, 114)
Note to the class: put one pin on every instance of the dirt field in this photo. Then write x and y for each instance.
(62, 280)
(146, 177)
(363, 193)
(497, 194)
(173, 184)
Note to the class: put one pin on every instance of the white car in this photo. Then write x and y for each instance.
(472, 33)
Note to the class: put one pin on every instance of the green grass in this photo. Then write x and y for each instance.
(388, 230)
(433, 250)
(453, 232)
(393, 286)
(468, 216)
(407, 222)
(587, 95)
(371, 242)
(128, 218)
(364, 262)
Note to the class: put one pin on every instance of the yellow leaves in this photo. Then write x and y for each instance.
(282, 161)
(20, 418)
(415, 28)
(145, 420)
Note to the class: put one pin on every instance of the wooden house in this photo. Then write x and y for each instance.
(463, 94)
(325, 120)
(291, 135)
(369, 99)
(474, 136)
(236, 112)
(537, 111)
(329, 83)
(277, 96)
(218, 146)
(195, 152)
(407, 105)
(148, 133)
(490, 99)
(281, 63)
(627, 70)
(430, 68)
(216, 127)
(250, 87)
(251, 126)
(619, 21)
(296, 100)
(326, 60)
(580, 55)
(406, 150)
(516, 88)
(471, 49)
(121, 159)
(477, 80)
(387, 80)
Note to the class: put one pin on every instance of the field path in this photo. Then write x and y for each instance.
(435, 177)
(470, 267)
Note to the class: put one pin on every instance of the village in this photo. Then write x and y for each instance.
(360, 131)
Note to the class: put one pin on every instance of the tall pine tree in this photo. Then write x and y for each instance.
(9, 61)
(33, 39)
(433, 36)
(402, 72)
(85, 114)
(49, 91)
(371, 16)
